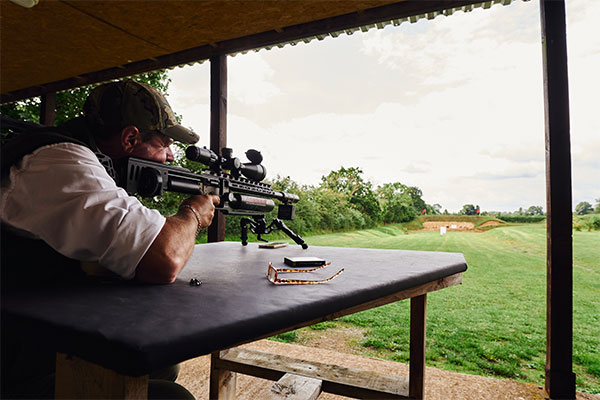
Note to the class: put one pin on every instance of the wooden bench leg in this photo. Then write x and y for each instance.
(222, 382)
(416, 378)
(80, 379)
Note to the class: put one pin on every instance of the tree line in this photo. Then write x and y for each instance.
(343, 200)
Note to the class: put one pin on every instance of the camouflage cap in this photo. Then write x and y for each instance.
(116, 105)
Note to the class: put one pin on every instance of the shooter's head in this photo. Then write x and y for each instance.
(113, 106)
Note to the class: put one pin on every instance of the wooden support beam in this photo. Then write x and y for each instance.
(48, 109)
(560, 379)
(351, 382)
(80, 379)
(416, 378)
(218, 129)
(294, 387)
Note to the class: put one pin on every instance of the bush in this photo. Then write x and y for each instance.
(595, 222)
(587, 222)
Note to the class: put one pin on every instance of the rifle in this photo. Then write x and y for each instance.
(240, 190)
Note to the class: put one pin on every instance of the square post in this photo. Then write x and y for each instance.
(416, 377)
(222, 383)
(218, 128)
(48, 109)
(560, 379)
(80, 379)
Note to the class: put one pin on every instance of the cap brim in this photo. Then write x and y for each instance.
(181, 134)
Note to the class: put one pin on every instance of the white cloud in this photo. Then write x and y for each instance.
(250, 79)
(453, 106)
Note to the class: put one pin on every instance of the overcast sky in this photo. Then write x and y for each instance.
(452, 105)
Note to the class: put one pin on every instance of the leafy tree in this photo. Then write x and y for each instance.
(397, 206)
(597, 207)
(535, 210)
(69, 103)
(583, 208)
(469, 209)
(416, 195)
(359, 192)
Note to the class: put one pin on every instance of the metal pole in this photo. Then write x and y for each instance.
(560, 379)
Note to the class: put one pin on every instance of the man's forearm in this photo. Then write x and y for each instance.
(170, 251)
(174, 245)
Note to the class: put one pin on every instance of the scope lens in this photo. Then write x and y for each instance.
(201, 155)
(255, 172)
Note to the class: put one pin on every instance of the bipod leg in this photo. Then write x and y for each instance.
(281, 225)
(244, 222)
(257, 225)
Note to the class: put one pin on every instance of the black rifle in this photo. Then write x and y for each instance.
(241, 190)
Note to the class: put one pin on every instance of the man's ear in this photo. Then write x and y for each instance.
(130, 137)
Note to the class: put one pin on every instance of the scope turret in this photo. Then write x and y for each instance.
(253, 170)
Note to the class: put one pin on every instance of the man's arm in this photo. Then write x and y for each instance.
(174, 245)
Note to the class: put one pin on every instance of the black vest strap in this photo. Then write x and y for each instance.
(28, 261)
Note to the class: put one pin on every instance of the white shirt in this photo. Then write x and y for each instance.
(62, 195)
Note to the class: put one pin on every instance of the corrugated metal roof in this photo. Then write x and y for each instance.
(395, 22)
(365, 28)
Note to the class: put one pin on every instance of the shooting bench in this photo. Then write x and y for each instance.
(314, 377)
(110, 336)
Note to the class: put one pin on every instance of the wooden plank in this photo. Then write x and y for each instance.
(416, 379)
(560, 379)
(218, 129)
(80, 379)
(294, 387)
(222, 384)
(356, 382)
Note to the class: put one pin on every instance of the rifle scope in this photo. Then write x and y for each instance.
(253, 170)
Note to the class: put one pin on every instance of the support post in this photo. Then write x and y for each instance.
(560, 379)
(416, 377)
(222, 383)
(218, 128)
(48, 109)
(80, 379)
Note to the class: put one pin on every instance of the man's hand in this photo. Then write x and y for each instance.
(204, 206)
(174, 245)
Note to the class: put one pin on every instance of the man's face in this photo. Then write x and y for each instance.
(156, 147)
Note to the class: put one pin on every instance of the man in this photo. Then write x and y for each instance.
(60, 207)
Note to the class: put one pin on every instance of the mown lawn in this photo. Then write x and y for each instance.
(494, 323)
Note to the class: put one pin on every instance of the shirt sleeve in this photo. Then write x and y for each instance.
(63, 195)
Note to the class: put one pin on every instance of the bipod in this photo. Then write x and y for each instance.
(258, 225)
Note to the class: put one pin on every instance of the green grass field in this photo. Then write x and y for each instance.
(494, 323)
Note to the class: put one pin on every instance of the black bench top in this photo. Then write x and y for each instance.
(135, 329)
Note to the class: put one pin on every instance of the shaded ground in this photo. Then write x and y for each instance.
(439, 384)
